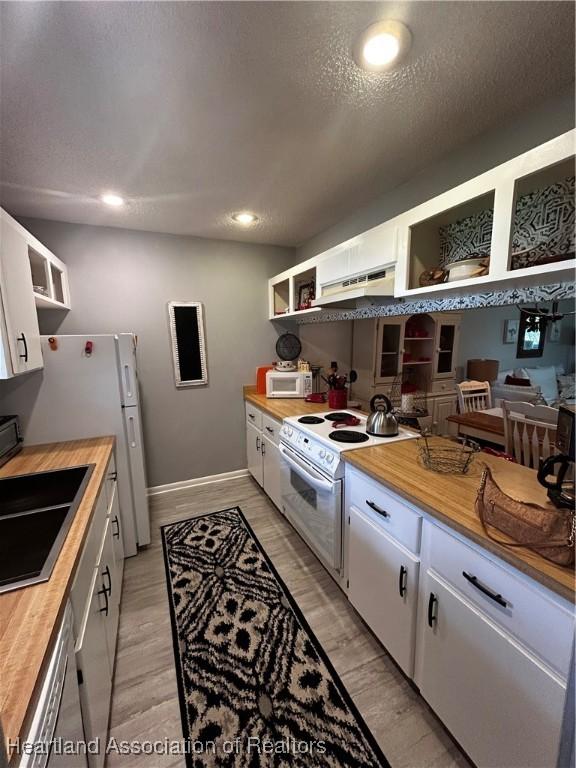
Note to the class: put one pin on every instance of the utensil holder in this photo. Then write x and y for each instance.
(338, 398)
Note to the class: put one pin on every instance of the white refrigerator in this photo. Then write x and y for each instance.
(88, 388)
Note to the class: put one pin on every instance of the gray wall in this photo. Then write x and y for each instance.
(482, 332)
(546, 121)
(121, 280)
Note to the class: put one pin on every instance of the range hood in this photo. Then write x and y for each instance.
(346, 293)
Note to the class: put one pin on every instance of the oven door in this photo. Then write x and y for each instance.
(313, 504)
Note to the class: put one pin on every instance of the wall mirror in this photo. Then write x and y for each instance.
(531, 335)
(188, 344)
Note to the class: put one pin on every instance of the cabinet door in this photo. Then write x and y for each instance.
(447, 333)
(109, 579)
(117, 540)
(389, 349)
(253, 454)
(501, 705)
(18, 300)
(94, 668)
(383, 587)
(272, 473)
(443, 407)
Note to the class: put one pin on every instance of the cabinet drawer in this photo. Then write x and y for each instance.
(446, 386)
(395, 517)
(529, 613)
(81, 587)
(110, 482)
(253, 416)
(271, 428)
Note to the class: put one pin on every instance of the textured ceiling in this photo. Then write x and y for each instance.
(194, 110)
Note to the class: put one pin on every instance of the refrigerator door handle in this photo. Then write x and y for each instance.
(132, 435)
(127, 380)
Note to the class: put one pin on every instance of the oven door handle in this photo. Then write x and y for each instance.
(311, 476)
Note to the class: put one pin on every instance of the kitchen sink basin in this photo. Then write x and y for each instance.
(36, 512)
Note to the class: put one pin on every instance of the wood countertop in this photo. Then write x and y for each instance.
(451, 498)
(282, 408)
(29, 617)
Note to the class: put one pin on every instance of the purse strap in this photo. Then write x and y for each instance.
(569, 542)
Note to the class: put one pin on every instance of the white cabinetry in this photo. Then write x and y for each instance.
(383, 585)
(501, 704)
(262, 454)
(95, 599)
(20, 335)
(490, 648)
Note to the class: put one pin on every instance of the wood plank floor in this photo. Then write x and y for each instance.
(145, 700)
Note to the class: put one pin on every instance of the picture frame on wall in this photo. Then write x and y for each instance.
(531, 335)
(511, 328)
(186, 325)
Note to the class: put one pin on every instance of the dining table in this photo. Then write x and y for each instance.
(485, 425)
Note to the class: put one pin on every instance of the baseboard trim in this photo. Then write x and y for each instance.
(193, 482)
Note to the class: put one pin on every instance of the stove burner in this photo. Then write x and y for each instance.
(310, 420)
(347, 436)
(337, 416)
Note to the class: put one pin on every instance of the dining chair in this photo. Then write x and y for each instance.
(474, 396)
(529, 431)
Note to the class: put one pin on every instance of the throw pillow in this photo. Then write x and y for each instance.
(516, 381)
(545, 378)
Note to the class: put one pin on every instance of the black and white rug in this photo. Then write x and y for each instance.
(256, 689)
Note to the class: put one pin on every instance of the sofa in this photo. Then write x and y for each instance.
(548, 384)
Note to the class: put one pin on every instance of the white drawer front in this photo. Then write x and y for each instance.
(271, 428)
(539, 622)
(253, 416)
(110, 481)
(446, 387)
(80, 591)
(395, 517)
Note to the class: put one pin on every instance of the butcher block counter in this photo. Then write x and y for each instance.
(282, 407)
(29, 617)
(451, 499)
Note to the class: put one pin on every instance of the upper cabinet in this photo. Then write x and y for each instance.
(513, 222)
(293, 291)
(31, 277)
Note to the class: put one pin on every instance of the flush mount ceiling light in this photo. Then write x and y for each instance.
(111, 199)
(244, 217)
(382, 45)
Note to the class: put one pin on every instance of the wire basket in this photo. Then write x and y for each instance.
(447, 459)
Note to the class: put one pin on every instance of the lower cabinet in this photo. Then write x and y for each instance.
(272, 476)
(383, 586)
(262, 453)
(442, 408)
(501, 704)
(253, 454)
(95, 599)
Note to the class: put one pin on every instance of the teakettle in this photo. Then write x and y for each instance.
(381, 421)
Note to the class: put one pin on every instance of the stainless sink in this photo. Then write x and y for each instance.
(36, 512)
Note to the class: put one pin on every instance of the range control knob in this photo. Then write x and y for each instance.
(289, 431)
(322, 453)
(330, 458)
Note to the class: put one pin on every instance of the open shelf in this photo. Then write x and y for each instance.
(49, 279)
(543, 221)
(291, 289)
(449, 238)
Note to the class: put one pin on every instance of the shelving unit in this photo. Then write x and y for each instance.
(283, 291)
(49, 276)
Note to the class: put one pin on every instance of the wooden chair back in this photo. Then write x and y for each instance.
(529, 431)
(474, 396)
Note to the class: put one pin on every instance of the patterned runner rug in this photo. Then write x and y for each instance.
(256, 689)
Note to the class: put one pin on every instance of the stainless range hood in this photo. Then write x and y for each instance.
(353, 290)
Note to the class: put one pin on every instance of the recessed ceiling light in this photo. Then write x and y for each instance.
(245, 217)
(382, 45)
(114, 200)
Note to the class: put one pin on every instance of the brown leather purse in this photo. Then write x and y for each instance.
(548, 531)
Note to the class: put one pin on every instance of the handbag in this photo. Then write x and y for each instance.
(550, 532)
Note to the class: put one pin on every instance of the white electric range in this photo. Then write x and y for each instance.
(311, 447)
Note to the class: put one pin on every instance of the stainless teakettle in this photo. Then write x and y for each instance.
(381, 422)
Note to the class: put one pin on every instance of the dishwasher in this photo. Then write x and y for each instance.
(56, 731)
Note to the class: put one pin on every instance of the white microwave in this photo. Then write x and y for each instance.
(288, 384)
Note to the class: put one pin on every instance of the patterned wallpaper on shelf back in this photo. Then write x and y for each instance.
(543, 230)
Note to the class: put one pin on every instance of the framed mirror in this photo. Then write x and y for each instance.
(188, 345)
(531, 335)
